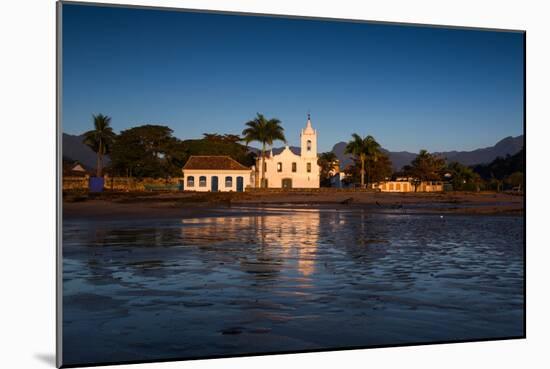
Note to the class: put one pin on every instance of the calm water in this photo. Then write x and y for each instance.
(268, 280)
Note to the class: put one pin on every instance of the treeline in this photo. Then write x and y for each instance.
(503, 173)
(153, 151)
(371, 165)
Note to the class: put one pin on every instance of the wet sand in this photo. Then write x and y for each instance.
(112, 206)
(279, 277)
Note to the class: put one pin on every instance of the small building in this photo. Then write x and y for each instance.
(290, 169)
(337, 180)
(74, 169)
(215, 173)
(408, 186)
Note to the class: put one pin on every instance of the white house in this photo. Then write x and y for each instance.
(215, 173)
(289, 169)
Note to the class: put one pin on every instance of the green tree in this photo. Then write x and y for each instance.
(264, 131)
(100, 139)
(326, 161)
(501, 167)
(463, 177)
(425, 167)
(378, 170)
(148, 151)
(516, 180)
(216, 144)
(363, 149)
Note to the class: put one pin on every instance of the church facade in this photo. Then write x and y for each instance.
(289, 169)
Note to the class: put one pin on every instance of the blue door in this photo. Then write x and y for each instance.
(214, 187)
(240, 184)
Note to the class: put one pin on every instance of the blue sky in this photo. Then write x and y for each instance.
(409, 87)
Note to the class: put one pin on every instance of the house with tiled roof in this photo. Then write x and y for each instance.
(215, 173)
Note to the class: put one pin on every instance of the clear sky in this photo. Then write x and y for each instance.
(409, 87)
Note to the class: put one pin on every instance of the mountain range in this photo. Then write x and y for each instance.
(75, 150)
(506, 146)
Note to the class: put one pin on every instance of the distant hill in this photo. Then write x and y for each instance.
(506, 146)
(75, 150)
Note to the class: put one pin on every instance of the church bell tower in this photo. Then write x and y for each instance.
(308, 138)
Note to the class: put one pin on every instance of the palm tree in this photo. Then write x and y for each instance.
(364, 149)
(264, 131)
(100, 139)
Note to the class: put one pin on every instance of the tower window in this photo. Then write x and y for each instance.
(294, 167)
(308, 145)
(309, 167)
(279, 167)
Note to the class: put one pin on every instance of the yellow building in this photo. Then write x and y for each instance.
(407, 186)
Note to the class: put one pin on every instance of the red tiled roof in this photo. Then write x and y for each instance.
(213, 163)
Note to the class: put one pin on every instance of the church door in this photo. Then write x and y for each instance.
(214, 187)
(240, 184)
(287, 183)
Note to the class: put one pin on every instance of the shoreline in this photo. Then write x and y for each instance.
(147, 205)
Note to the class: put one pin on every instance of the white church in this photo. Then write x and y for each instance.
(290, 169)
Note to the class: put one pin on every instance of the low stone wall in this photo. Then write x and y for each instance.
(307, 190)
(75, 183)
(120, 183)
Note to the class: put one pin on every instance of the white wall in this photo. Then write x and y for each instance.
(221, 180)
(300, 179)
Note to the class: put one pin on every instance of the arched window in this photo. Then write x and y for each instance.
(294, 167)
(309, 167)
(190, 181)
(228, 181)
(308, 145)
(202, 181)
(279, 167)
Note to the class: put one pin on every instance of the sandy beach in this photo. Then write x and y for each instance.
(167, 205)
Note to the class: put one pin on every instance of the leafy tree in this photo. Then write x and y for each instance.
(215, 144)
(501, 167)
(363, 149)
(516, 180)
(222, 138)
(148, 151)
(463, 177)
(264, 131)
(378, 170)
(425, 167)
(326, 161)
(100, 139)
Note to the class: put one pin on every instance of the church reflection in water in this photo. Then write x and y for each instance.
(270, 242)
